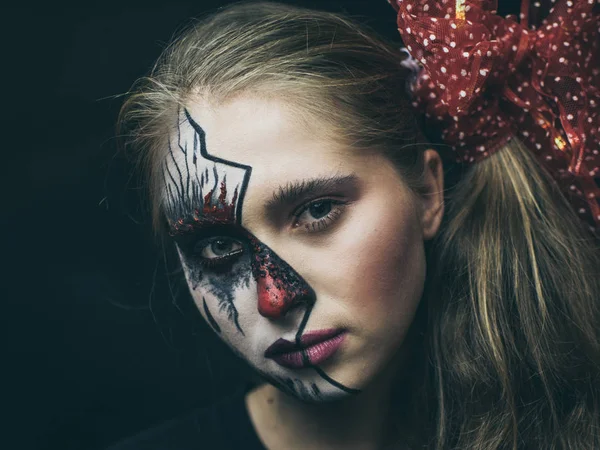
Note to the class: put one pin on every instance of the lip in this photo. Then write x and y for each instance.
(315, 347)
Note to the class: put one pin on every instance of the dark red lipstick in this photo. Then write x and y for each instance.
(314, 348)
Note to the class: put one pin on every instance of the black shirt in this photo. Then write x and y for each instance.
(223, 426)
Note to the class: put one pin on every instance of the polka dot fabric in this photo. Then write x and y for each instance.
(486, 78)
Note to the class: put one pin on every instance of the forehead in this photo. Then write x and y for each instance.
(266, 135)
(244, 136)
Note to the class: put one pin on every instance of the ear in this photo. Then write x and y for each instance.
(432, 199)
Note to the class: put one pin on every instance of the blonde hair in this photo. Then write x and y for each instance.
(511, 344)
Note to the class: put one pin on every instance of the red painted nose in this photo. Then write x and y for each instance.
(274, 300)
(280, 288)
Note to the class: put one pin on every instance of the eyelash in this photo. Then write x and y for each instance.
(220, 262)
(321, 223)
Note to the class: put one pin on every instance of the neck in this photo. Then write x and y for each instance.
(363, 421)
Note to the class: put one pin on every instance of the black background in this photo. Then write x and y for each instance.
(94, 348)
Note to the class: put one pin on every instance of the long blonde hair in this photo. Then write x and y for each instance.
(511, 345)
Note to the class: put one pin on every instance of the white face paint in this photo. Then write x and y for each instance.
(285, 235)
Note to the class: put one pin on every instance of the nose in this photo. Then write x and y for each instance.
(280, 287)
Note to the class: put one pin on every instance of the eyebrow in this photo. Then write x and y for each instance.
(295, 192)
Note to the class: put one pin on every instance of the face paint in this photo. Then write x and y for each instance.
(256, 297)
(280, 288)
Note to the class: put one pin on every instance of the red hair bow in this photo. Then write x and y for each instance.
(486, 78)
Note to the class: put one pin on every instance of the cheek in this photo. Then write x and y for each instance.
(379, 263)
(225, 301)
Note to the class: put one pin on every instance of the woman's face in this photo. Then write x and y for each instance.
(304, 255)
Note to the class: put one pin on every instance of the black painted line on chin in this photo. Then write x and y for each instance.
(335, 383)
(211, 319)
(315, 389)
(205, 154)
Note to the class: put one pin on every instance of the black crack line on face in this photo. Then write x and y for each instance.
(298, 388)
(187, 168)
(337, 384)
(211, 319)
(307, 362)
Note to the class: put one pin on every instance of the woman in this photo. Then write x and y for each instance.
(390, 295)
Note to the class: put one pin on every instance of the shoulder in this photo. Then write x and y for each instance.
(224, 425)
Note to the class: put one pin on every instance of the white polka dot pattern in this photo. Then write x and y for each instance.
(486, 78)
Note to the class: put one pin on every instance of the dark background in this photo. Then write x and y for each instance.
(95, 346)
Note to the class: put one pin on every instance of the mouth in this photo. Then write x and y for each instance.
(314, 348)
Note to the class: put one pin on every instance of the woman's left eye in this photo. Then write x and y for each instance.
(319, 214)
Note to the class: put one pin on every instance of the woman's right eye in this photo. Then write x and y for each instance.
(219, 251)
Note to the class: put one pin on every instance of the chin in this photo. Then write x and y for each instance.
(310, 385)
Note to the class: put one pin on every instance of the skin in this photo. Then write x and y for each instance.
(348, 254)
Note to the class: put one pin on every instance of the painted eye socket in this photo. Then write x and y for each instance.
(218, 251)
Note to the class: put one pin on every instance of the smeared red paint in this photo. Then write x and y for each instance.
(219, 212)
(279, 286)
